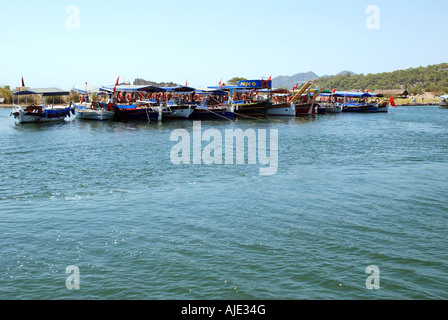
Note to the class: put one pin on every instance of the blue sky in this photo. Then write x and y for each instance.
(206, 41)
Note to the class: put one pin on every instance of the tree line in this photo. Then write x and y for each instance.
(416, 80)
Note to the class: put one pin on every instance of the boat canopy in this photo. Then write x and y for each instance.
(248, 85)
(444, 97)
(180, 89)
(224, 87)
(217, 92)
(45, 92)
(132, 88)
(86, 89)
(353, 94)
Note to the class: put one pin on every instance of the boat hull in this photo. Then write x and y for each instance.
(98, 115)
(305, 109)
(135, 114)
(365, 108)
(282, 109)
(257, 109)
(328, 108)
(443, 106)
(212, 114)
(179, 112)
(40, 114)
(383, 108)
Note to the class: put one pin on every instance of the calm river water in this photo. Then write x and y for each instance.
(351, 191)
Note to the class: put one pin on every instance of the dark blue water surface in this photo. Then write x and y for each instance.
(351, 191)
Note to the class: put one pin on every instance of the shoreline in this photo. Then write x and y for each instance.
(10, 106)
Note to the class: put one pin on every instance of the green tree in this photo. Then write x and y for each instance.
(6, 94)
(235, 80)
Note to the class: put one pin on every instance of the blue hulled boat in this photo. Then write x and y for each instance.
(33, 112)
(211, 105)
(356, 101)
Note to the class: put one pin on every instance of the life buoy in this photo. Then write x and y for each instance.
(264, 84)
(259, 98)
(149, 96)
(254, 92)
(161, 96)
(129, 97)
(197, 98)
(244, 96)
(120, 97)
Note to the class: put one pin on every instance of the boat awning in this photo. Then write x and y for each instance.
(223, 87)
(43, 91)
(84, 90)
(444, 97)
(132, 88)
(179, 89)
(353, 94)
(211, 91)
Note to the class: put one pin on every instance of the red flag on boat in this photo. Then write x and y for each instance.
(392, 102)
(116, 84)
(270, 78)
(315, 79)
(186, 83)
(334, 91)
(23, 83)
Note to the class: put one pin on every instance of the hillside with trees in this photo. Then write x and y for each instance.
(139, 81)
(415, 80)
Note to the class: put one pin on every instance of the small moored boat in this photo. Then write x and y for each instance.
(304, 103)
(444, 103)
(180, 102)
(246, 98)
(211, 105)
(87, 109)
(280, 105)
(35, 112)
(356, 102)
(136, 102)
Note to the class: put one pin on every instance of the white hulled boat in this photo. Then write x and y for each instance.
(33, 112)
(98, 110)
(444, 103)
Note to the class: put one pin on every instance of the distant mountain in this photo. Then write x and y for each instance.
(291, 81)
(139, 82)
(342, 73)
